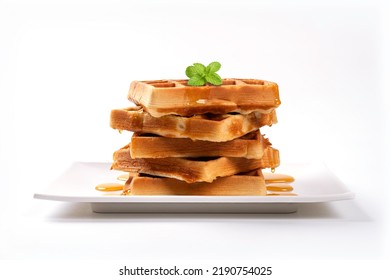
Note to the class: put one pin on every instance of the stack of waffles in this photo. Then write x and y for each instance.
(202, 140)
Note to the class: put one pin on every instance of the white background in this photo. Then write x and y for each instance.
(65, 64)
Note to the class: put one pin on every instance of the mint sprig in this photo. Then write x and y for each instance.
(199, 74)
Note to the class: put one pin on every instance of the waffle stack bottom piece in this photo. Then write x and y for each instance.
(214, 150)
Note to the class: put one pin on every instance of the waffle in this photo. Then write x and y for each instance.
(237, 185)
(208, 127)
(165, 97)
(249, 146)
(193, 170)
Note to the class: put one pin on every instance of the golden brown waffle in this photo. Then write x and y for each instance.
(208, 127)
(193, 169)
(249, 146)
(165, 97)
(237, 185)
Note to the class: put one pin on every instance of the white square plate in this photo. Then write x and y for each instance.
(314, 183)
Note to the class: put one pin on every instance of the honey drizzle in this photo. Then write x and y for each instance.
(279, 188)
(276, 184)
(123, 177)
(126, 192)
(109, 187)
(277, 178)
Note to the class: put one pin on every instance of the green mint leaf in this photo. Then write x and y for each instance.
(214, 78)
(200, 75)
(213, 67)
(200, 69)
(190, 71)
(197, 80)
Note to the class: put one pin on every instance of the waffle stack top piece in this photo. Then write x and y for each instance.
(197, 140)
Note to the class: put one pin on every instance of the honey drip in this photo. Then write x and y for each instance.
(126, 192)
(277, 178)
(279, 188)
(109, 187)
(123, 177)
(276, 184)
